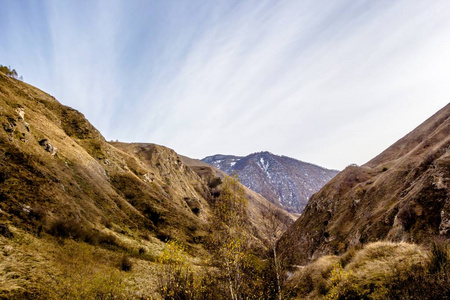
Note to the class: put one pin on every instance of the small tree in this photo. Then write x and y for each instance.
(10, 72)
(175, 279)
(230, 241)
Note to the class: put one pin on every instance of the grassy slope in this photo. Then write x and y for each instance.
(381, 270)
(401, 195)
(257, 203)
(118, 197)
(88, 180)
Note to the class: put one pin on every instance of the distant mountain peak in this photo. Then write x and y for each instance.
(283, 180)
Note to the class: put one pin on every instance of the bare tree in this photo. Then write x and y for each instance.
(274, 228)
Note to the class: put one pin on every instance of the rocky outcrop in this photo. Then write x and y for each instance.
(21, 113)
(45, 144)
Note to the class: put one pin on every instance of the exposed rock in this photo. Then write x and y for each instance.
(9, 127)
(48, 147)
(26, 208)
(21, 112)
(148, 177)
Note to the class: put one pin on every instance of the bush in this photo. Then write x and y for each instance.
(175, 279)
(38, 214)
(4, 230)
(75, 230)
(439, 257)
(10, 72)
(125, 263)
(67, 229)
(215, 182)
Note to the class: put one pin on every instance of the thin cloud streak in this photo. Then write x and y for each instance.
(331, 83)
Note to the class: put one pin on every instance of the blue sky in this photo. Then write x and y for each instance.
(328, 82)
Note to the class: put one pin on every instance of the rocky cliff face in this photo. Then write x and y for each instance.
(401, 195)
(282, 180)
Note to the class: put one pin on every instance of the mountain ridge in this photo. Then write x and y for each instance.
(283, 180)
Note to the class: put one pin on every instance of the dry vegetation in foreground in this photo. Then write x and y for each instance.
(53, 268)
(68, 260)
(381, 270)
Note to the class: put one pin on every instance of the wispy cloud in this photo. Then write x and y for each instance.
(330, 82)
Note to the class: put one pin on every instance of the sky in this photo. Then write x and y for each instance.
(327, 82)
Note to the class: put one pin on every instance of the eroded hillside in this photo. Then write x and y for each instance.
(401, 195)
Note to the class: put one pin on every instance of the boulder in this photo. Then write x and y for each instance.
(21, 112)
(48, 147)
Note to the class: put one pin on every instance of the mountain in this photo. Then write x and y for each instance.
(67, 194)
(403, 194)
(280, 179)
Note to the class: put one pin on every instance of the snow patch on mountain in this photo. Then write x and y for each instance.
(282, 180)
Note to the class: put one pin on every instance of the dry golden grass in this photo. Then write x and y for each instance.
(401, 195)
(381, 270)
(49, 268)
(75, 214)
(309, 280)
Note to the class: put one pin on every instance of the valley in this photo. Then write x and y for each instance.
(84, 218)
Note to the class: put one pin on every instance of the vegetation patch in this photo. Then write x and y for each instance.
(73, 229)
(381, 270)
